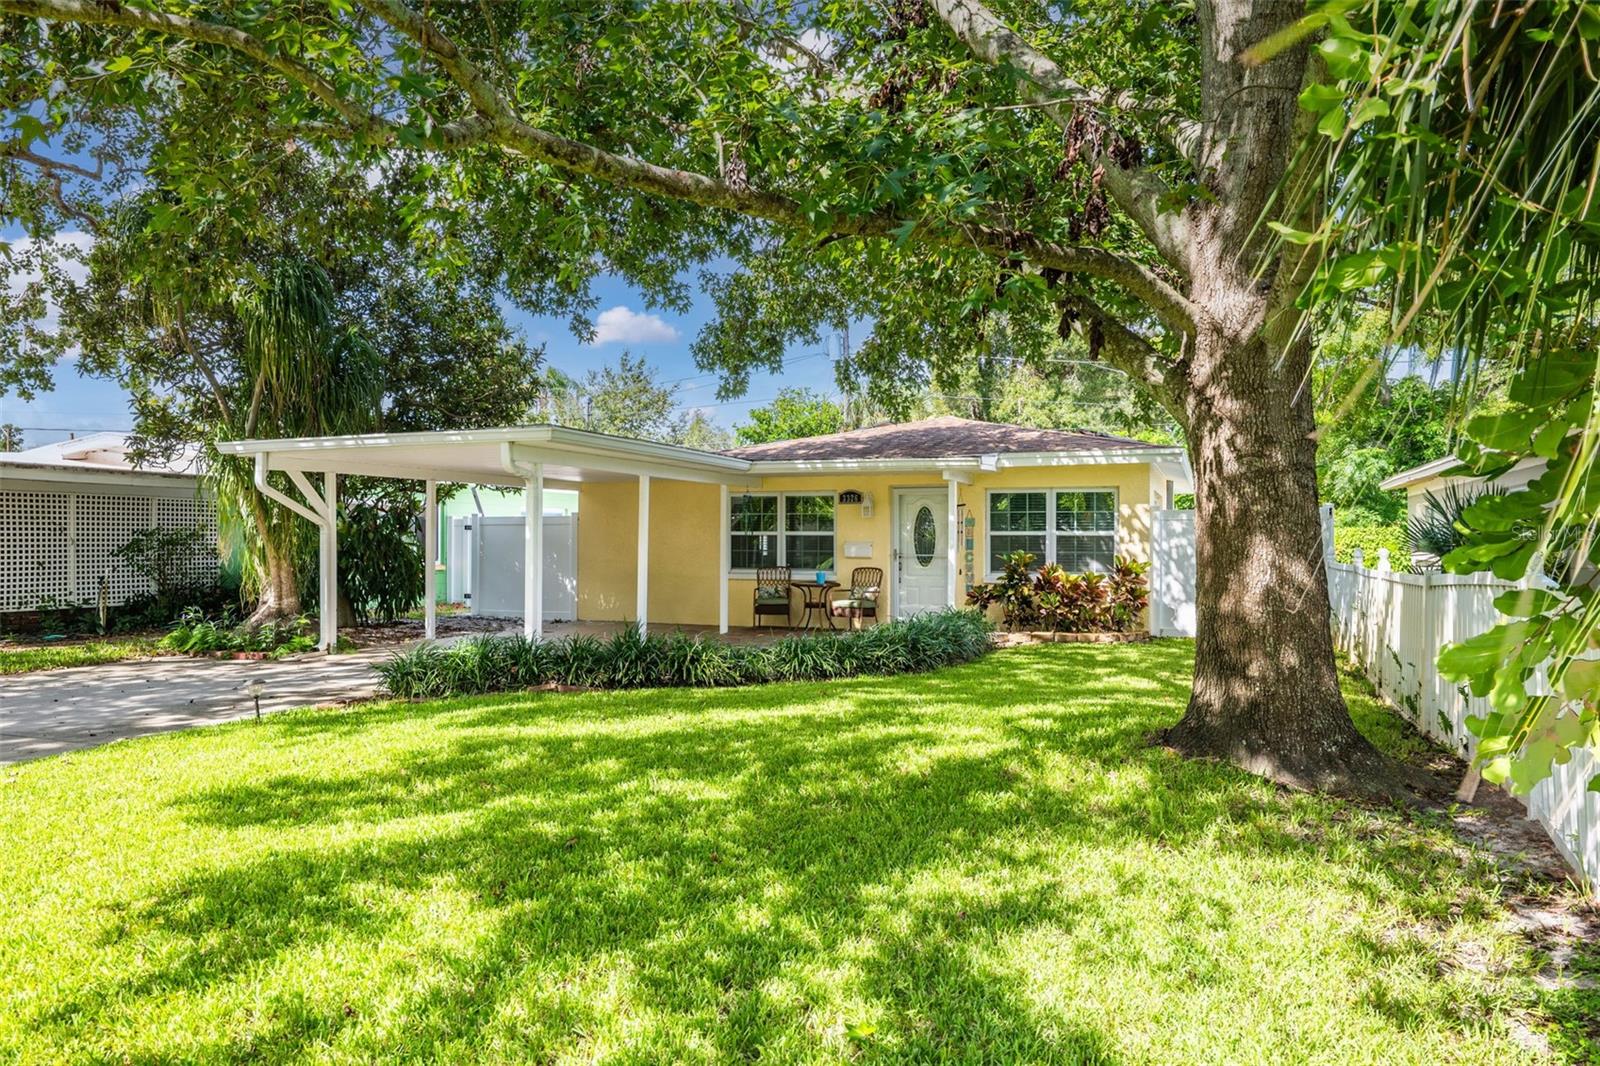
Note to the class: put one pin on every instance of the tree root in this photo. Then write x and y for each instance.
(1348, 767)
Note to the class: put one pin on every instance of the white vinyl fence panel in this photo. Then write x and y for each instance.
(1394, 625)
(1172, 574)
(495, 587)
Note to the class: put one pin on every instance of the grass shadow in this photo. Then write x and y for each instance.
(878, 869)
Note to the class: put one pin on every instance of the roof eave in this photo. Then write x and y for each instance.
(559, 438)
(1416, 475)
(1076, 457)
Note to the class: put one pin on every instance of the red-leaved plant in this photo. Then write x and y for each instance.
(1050, 598)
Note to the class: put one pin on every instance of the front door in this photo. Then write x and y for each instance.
(922, 564)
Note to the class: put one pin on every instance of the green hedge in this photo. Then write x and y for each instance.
(1346, 539)
(629, 660)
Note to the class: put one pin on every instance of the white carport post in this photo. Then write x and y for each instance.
(430, 552)
(323, 512)
(642, 583)
(533, 555)
(328, 542)
(724, 560)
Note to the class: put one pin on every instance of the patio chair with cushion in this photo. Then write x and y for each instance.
(773, 585)
(860, 599)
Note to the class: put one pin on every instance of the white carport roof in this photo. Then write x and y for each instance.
(495, 456)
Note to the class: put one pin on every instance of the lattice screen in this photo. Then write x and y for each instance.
(55, 547)
(104, 524)
(33, 549)
(192, 513)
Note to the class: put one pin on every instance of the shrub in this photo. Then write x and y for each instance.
(381, 575)
(1438, 530)
(165, 557)
(634, 660)
(1053, 599)
(1346, 539)
(195, 635)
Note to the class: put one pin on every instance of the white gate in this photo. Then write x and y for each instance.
(1172, 567)
(1172, 573)
(495, 545)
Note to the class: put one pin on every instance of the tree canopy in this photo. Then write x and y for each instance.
(794, 412)
(629, 400)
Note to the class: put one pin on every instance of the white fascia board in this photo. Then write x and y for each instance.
(76, 475)
(1178, 470)
(1096, 457)
(1091, 457)
(1418, 474)
(518, 458)
(309, 463)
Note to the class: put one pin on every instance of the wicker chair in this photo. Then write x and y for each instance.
(773, 587)
(860, 600)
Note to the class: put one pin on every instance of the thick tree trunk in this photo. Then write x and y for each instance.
(1266, 690)
(280, 592)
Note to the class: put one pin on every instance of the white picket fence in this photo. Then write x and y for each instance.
(1393, 626)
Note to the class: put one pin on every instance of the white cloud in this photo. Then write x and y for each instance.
(621, 324)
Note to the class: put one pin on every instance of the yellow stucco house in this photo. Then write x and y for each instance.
(675, 536)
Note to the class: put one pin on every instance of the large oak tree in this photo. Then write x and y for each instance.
(1114, 168)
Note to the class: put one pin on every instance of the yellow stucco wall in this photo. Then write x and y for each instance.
(684, 528)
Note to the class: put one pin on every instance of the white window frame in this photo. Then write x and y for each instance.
(1050, 532)
(782, 533)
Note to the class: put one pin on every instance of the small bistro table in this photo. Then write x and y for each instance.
(814, 599)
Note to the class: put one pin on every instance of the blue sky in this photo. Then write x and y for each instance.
(624, 323)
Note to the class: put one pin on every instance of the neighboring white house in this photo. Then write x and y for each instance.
(1431, 477)
(66, 508)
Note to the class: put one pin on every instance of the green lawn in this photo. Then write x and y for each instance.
(986, 864)
(22, 659)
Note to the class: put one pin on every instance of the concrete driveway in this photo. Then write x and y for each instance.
(51, 711)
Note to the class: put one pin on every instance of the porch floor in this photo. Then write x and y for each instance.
(735, 634)
(454, 627)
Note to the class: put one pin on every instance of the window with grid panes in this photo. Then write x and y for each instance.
(1086, 529)
(1073, 528)
(753, 530)
(808, 532)
(1016, 523)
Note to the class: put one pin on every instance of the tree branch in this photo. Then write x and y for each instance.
(1133, 355)
(789, 46)
(95, 13)
(54, 173)
(1137, 191)
(53, 166)
(497, 123)
(513, 133)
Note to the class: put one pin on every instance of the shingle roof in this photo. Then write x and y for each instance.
(942, 437)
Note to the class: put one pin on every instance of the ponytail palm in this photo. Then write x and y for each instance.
(309, 377)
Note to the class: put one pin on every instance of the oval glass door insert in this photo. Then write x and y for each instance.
(924, 536)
